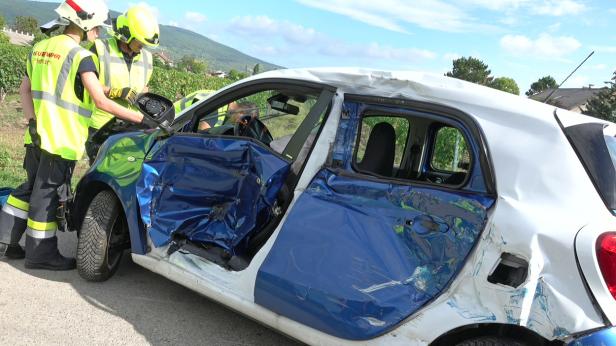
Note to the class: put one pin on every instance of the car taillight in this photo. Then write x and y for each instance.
(606, 256)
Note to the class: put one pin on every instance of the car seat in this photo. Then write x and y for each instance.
(380, 150)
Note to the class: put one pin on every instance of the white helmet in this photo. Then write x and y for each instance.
(86, 14)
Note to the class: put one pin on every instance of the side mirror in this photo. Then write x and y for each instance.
(156, 107)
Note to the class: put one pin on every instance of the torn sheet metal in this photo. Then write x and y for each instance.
(208, 190)
(357, 257)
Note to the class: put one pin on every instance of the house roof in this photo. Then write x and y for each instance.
(568, 98)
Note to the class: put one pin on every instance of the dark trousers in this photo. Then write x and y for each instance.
(33, 206)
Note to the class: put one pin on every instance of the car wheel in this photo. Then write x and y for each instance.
(102, 239)
(491, 341)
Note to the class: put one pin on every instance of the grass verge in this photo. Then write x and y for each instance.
(12, 149)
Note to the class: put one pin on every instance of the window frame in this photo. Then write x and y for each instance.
(366, 114)
(444, 114)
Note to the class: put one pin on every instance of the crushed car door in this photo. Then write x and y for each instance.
(360, 253)
(213, 186)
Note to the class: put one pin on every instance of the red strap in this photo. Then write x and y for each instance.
(74, 6)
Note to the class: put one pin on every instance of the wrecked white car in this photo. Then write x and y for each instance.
(343, 206)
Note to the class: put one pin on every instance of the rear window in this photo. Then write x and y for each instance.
(595, 144)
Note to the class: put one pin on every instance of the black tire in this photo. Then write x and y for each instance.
(491, 341)
(102, 239)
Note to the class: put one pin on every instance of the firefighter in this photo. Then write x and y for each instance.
(58, 95)
(125, 68)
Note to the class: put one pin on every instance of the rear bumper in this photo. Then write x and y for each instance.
(601, 337)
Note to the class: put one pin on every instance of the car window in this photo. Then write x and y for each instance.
(451, 152)
(280, 111)
(595, 145)
(382, 136)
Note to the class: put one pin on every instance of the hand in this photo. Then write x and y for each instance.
(36, 139)
(127, 94)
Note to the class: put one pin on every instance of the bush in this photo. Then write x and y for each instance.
(12, 68)
(175, 84)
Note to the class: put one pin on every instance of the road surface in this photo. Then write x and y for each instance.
(135, 307)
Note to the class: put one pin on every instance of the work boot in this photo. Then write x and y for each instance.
(12, 251)
(44, 254)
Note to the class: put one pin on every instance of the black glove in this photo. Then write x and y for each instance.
(36, 139)
(152, 124)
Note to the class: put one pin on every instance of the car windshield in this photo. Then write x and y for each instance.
(595, 144)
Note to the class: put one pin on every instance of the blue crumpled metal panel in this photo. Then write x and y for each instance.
(208, 189)
(356, 257)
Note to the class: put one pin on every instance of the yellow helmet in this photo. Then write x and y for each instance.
(137, 23)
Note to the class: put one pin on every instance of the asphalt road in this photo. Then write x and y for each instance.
(135, 307)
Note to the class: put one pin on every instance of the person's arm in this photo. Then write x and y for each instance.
(94, 88)
(25, 94)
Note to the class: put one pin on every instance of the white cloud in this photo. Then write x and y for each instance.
(394, 15)
(559, 7)
(604, 49)
(174, 23)
(577, 82)
(296, 38)
(195, 17)
(545, 46)
(259, 26)
(554, 27)
(451, 56)
(498, 5)
(510, 20)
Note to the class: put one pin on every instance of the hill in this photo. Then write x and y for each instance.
(176, 42)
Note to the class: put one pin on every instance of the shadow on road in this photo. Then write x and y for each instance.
(158, 309)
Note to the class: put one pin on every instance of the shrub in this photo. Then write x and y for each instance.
(12, 68)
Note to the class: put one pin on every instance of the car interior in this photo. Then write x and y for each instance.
(392, 146)
(412, 148)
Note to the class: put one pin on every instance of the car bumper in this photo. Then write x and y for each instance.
(598, 338)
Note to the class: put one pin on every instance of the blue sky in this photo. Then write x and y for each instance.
(521, 39)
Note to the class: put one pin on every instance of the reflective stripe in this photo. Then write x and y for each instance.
(42, 226)
(107, 62)
(40, 234)
(18, 203)
(66, 70)
(146, 66)
(45, 96)
(16, 212)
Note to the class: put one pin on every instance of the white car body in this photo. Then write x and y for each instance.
(545, 198)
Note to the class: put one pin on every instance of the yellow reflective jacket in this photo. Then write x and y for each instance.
(62, 118)
(114, 73)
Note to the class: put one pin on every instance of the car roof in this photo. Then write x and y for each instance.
(430, 87)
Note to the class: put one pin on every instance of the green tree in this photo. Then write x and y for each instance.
(544, 83)
(4, 39)
(505, 84)
(256, 69)
(472, 70)
(2, 22)
(26, 24)
(191, 64)
(236, 75)
(603, 105)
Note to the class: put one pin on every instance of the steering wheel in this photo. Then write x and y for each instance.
(252, 127)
